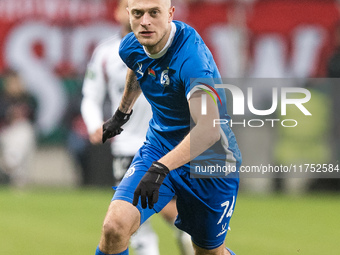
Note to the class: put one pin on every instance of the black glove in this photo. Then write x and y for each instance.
(149, 185)
(112, 126)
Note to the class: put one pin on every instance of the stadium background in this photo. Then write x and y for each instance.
(49, 43)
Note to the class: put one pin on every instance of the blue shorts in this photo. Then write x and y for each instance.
(205, 205)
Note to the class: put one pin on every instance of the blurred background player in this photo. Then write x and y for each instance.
(17, 133)
(106, 73)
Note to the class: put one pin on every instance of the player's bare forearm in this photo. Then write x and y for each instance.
(132, 91)
(200, 138)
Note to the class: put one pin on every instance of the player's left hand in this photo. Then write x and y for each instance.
(149, 185)
(112, 127)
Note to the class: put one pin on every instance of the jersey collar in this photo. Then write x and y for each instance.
(167, 45)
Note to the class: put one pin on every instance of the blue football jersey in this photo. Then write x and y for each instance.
(167, 82)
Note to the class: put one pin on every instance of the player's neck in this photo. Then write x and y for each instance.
(162, 49)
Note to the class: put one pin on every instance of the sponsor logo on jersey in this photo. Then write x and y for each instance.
(140, 71)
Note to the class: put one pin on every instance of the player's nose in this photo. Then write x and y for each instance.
(146, 20)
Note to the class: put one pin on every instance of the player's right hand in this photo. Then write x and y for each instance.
(112, 126)
(149, 185)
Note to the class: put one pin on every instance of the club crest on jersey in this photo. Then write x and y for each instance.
(165, 81)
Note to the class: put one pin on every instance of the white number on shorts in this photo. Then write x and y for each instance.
(230, 211)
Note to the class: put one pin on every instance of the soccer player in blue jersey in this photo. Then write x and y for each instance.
(168, 61)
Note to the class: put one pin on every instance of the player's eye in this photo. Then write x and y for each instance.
(137, 14)
(154, 13)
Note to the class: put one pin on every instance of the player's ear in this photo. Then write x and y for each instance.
(171, 13)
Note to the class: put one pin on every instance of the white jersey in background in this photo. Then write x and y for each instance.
(106, 72)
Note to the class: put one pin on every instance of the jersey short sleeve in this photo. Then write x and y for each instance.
(128, 48)
(198, 65)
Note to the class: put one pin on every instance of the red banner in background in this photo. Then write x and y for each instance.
(61, 20)
(274, 38)
(46, 39)
(66, 25)
(305, 28)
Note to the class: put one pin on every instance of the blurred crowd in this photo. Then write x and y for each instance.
(17, 131)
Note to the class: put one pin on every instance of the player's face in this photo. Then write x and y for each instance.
(151, 22)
